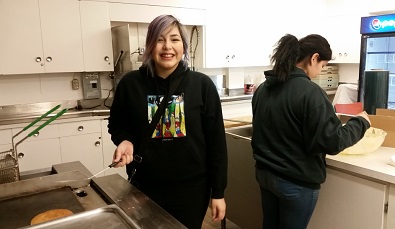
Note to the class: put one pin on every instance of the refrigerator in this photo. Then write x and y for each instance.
(377, 62)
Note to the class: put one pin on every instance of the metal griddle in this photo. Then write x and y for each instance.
(69, 187)
(18, 212)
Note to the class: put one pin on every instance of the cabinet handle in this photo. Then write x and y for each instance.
(49, 59)
(38, 59)
(333, 57)
(97, 143)
(21, 155)
(80, 128)
(345, 54)
(106, 58)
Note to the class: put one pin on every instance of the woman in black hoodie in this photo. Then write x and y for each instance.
(294, 127)
(184, 163)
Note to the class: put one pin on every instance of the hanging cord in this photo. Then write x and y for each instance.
(193, 52)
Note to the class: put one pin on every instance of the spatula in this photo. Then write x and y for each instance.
(108, 167)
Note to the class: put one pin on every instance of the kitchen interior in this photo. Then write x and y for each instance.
(72, 53)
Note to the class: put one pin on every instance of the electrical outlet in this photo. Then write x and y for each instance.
(75, 84)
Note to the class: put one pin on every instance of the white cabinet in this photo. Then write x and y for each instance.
(40, 36)
(81, 141)
(347, 201)
(343, 34)
(108, 151)
(39, 151)
(96, 36)
(244, 34)
(391, 207)
(226, 42)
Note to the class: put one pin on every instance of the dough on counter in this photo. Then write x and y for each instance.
(50, 215)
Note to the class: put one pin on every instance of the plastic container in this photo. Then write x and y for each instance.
(249, 86)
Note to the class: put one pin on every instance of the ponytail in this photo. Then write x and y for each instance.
(285, 56)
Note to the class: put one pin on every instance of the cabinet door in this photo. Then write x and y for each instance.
(108, 151)
(81, 141)
(61, 35)
(347, 201)
(85, 148)
(38, 154)
(21, 46)
(391, 207)
(96, 36)
(39, 151)
(343, 34)
(223, 44)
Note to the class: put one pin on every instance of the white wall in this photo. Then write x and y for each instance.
(34, 88)
(348, 73)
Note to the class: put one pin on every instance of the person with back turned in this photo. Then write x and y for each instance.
(184, 163)
(294, 127)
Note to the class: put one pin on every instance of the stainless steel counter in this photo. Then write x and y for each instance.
(26, 113)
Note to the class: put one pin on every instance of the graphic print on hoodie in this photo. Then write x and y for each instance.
(172, 122)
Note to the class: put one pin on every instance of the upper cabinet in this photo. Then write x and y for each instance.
(236, 35)
(343, 34)
(40, 36)
(96, 36)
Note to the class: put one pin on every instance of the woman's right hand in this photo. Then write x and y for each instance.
(123, 153)
(364, 115)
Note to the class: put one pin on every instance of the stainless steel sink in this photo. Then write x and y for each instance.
(241, 132)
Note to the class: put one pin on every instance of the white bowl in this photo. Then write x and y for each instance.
(370, 142)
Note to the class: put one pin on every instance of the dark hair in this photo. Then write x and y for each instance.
(155, 29)
(289, 51)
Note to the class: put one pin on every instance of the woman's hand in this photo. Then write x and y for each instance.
(218, 209)
(364, 115)
(123, 153)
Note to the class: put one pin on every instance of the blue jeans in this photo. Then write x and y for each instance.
(285, 205)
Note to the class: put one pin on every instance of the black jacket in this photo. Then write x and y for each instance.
(197, 152)
(295, 126)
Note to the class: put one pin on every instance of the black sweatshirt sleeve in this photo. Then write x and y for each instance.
(214, 132)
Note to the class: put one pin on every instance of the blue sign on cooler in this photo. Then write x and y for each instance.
(378, 24)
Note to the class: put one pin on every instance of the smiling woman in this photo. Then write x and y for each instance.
(185, 154)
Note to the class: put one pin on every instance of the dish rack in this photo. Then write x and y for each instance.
(9, 166)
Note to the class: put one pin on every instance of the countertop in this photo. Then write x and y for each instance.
(374, 165)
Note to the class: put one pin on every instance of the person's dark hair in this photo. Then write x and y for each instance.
(155, 29)
(289, 51)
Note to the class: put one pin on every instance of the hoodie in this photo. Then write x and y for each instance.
(295, 126)
(188, 147)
